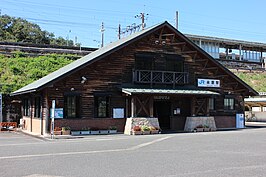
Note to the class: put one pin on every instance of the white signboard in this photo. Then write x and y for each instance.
(118, 113)
(1, 115)
(208, 83)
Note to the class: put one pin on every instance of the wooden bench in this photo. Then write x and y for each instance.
(7, 126)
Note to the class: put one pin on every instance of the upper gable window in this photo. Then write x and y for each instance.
(159, 62)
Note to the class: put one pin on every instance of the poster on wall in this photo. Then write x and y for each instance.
(58, 113)
(240, 121)
(118, 112)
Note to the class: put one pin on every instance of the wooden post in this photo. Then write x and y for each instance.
(151, 106)
(193, 113)
(133, 110)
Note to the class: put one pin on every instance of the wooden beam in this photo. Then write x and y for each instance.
(201, 60)
(219, 76)
(189, 52)
(211, 68)
(178, 43)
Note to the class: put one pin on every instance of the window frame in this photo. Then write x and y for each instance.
(229, 104)
(106, 110)
(212, 104)
(75, 106)
(26, 107)
(37, 106)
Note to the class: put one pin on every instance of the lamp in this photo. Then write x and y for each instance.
(83, 79)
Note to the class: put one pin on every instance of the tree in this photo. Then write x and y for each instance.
(14, 29)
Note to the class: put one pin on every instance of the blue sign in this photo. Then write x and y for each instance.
(58, 113)
(240, 121)
(208, 83)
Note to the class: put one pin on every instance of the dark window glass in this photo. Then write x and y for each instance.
(102, 106)
(71, 109)
(229, 104)
(211, 104)
(159, 62)
(37, 106)
(26, 107)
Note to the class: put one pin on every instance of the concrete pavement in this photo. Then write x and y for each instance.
(222, 153)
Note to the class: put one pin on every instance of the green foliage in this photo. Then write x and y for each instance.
(14, 29)
(256, 80)
(20, 70)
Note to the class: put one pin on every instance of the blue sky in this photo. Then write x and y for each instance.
(243, 20)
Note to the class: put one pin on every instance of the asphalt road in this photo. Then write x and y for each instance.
(224, 153)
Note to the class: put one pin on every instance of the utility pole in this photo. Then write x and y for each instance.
(119, 31)
(142, 16)
(176, 19)
(68, 37)
(102, 31)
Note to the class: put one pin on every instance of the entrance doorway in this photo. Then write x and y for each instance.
(162, 110)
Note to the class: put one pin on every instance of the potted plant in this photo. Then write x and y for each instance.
(206, 128)
(66, 130)
(112, 129)
(57, 131)
(145, 130)
(85, 131)
(154, 130)
(136, 130)
(199, 128)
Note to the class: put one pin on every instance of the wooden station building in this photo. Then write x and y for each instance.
(157, 72)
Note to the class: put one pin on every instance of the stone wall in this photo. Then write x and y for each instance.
(137, 121)
(193, 122)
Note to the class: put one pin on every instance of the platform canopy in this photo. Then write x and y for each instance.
(131, 91)
(253, 101)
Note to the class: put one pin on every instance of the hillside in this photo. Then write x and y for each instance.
(256, 80)
(19, 70)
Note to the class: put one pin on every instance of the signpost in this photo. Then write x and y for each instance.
(1, 115)
(52, 116)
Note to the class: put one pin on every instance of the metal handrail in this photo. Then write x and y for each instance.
(160, 77)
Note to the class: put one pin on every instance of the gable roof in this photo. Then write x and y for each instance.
(104, 51)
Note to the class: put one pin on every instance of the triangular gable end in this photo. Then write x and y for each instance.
(166, 34)
(203, 63)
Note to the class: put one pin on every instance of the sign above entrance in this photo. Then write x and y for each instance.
(161, 97)
(208, 83)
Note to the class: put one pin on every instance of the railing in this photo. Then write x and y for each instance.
(160, 77)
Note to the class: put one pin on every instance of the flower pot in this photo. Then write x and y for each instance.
(199, 129)
(57, 132)
(146, 132)
(85, 132)
(75, 133)
(154, 131)
(103, 132)
(66, 132)
(136, 132)
(206, 129)
(112, 131)
(95, 132)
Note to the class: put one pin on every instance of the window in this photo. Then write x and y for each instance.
(229, 104)
(102, 106)
(37, 106)
(159, 62)
(211, 104)
(71, 109)
(26, 107)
